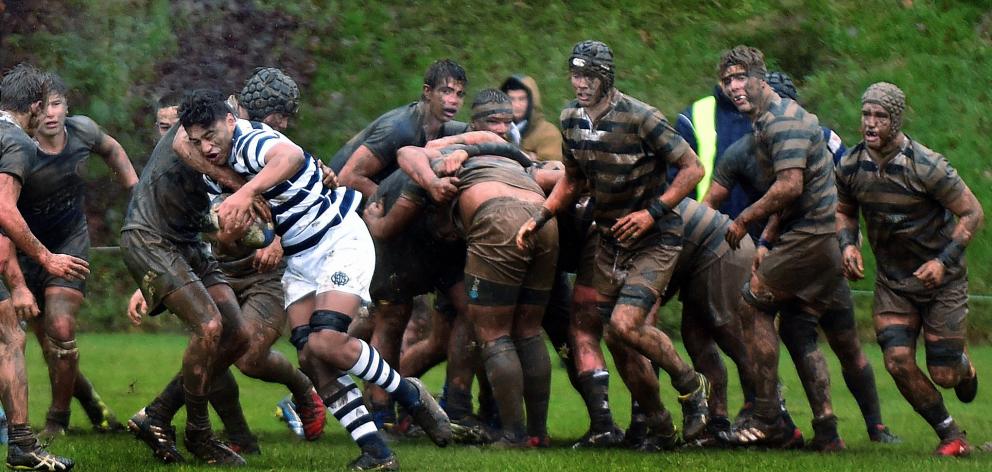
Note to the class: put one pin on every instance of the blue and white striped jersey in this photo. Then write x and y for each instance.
(303, 209)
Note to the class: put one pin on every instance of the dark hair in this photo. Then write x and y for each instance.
(56, 85)
(168, 99)
(514, 83)
(443, 69)
(22, 86)
(202, 107)
(751, 58)
(490, 95)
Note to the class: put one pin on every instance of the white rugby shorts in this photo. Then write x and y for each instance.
(342, 261)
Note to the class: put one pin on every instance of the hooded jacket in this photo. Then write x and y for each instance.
(540, 137)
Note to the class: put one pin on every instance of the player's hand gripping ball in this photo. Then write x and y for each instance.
(258, 234)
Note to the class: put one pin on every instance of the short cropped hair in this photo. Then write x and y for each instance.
(22, 86)
(443, 69)
(202, 107)
(751, 58)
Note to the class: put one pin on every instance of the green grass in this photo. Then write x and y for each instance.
(129, 369)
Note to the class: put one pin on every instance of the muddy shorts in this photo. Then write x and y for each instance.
(259, 293)
(497, 273)
(943, 310)
(161, 267)
(587, 259)
(37, 278)
(714, 291)
(408, 268)
(635, 274)
(805, 266)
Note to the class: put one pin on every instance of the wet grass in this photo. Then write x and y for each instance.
(128, 370)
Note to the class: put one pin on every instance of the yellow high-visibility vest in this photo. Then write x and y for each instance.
(704, 125)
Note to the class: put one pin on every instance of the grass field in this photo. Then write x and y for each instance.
(129, 369)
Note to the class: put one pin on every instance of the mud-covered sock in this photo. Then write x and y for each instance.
(167, 403)
(941, 421)
(533, 353)
(224, 396)
(861, 383)
(504, 372)
(595, 389)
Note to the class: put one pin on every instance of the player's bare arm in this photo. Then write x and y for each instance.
(787, 188)
(281, 163)
(386, 226)
(224, 175)
(847, 234)
(970, 217)
(115, 157)
(25, 305)
(472, 137)
(565, 192)
(59, 265)
(356, 173)
(416, 162)
(716, 195)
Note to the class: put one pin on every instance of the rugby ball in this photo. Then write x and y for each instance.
(260, 233)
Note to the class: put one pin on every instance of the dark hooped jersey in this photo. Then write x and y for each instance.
(403, 126)
(905, 206)
(171, 197)
(16, 148)
(702, 235)
(624, 157)
(789, 137)
(52, 186)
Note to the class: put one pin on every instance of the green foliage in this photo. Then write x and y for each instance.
(129, 370)
(370, 58)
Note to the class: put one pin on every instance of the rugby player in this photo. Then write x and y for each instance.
(803, 268)
(641, 236)
(22, 105)
(52, 204)
(920, 216)
(330, 255)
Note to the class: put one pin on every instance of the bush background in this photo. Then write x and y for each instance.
(355, 62)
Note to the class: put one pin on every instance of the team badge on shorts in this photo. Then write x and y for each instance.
(339, 279)
(473, 293)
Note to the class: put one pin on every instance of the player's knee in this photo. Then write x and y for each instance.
(63, 349)
(899, 361)
(944, 361)
(61, 327)
(623, 326)
(944, 376)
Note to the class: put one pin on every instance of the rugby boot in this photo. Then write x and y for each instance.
(286, 411)
(756, 432)
(657, 441)
(612, 437)
(312, 415)
(470, 430)
(882, 434)
(102, 419)
(243, 444)
(33, 457)
(825, 436)
(367, 462)
(967, 388)
(540, 442)
(158, 435)
(509, 440)
(206, 447)
(695, 410)
(953, 447)
(429, 415)
(636, 431)
(711, 438)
